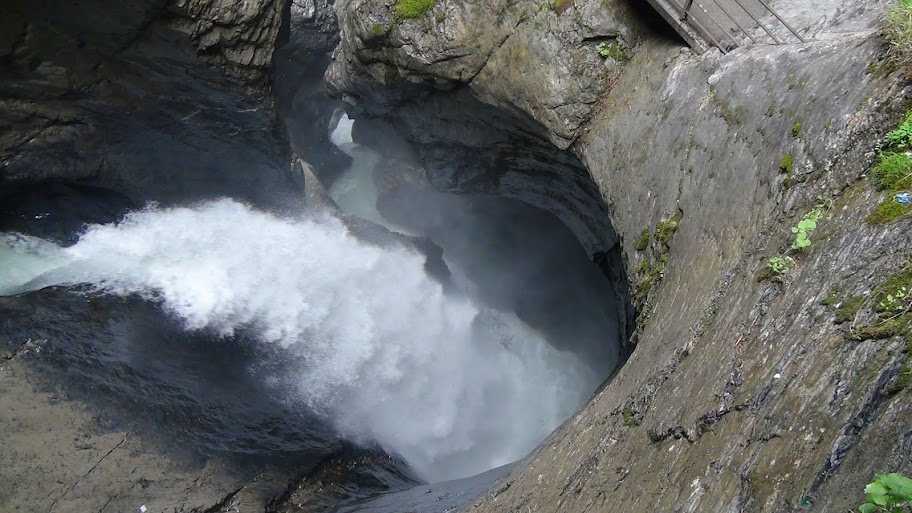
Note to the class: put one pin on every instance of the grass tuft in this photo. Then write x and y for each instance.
(408, 9)
(643, 242)
(787, 163)
(893, 171)
(898, 33)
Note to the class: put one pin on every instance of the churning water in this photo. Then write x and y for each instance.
(387, 356)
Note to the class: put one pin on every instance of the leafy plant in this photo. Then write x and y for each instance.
(780, 265)
(895, 301)
(407, 9)
(796, 129)
(613, 50)
(901, 138)
(804, 228)
(889, 493)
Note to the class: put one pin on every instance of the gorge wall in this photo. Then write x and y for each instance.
(741, 395)
(738, 394)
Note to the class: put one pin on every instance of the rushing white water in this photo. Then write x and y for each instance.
(452, 388)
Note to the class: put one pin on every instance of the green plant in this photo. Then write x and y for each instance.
(903, 378)
(898, 33)
(643, 242)
(557, 5)
(901, 138)
(780, 265)
(796, 129)
(895, 301)
(849, 309)
(666, 228)
(804, 228)
(887, 211)
(613, 50)
(379, 30)
(888, 493)
(893, 171)
(408, 9)
(629, 417)
(787, 163)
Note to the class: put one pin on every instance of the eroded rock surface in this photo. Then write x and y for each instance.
(111, 94)
(741, 395)
(530, 59)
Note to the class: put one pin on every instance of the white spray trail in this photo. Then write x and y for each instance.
(451, 388)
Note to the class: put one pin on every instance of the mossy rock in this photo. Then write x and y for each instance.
(891, 327)
(888, 211)
(643, 242)
(849, 309)
(666, 228)
(787, 163)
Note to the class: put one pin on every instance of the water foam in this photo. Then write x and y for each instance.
(453, 388)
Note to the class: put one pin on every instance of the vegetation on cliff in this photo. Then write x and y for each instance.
(889, 493)
(408, 9)
(898, 32)
(893, 173)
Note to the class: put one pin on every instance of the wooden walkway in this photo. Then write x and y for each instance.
(726, 24)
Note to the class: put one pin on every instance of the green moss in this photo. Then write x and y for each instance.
(628, 417)
(890, 327)
(903, 378)
(849, 309)
(796, 129)
(831, 299)
(787, 163)
(893, 171)
(887, 211)
(892, 302)
(649, 274)
(380, 30)
(893, 285)
(666, 228)
(561, 5)
(643, 242)
(408, 9)
(733, 117)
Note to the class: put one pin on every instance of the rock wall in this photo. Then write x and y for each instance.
(112, 95)
(236, 36)
(109, 93)
(741, 395)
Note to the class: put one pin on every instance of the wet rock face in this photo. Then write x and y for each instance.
(509, 85)
(741, 395)
(313, 26)
(110, 94)
(527, 59)
(236, 36)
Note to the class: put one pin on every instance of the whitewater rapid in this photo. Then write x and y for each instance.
(387, 355)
